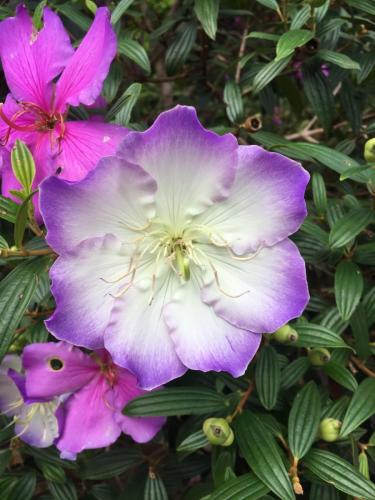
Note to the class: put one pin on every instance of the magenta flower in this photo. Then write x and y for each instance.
(36, 420)
(100, 390)
(175, 254)
(36, 109)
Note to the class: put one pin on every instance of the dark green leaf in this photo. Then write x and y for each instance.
(360, 329)
(193, 442)
(304, 419)
(294, 371)
(180, 48)
(177, 401)
(268, 377)
(65, 491)
(319, 95)
(338, 472)
(348, 288)
(341, 375)
(312, 335)
(260, 451)
(361, 407)
(110, 464)
(24, 487)
(349, 226)
(134, 51)
(246, 487)
(268, 73)
(155, 489)
(120, 10)
(290, 40)
(233, 100)
(8, 209)
(319, 193)
(339, 59)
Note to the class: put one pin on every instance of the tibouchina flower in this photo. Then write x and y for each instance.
(174, 254)
(36, 420)
(36, 109)
(100, 390)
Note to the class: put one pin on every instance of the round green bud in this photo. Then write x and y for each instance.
(369, 152)
(319, 356)
(329, 429)
(218, 431)
(285, 334)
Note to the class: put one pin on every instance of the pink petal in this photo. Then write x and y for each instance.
(32, 60)
(83, 77)
(84, 144)
(42, 377)
(89, 419)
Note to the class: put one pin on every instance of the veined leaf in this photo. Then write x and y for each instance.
(134, 51)
(359, 324)
(294, 371)
(319, 192)
(291, 40)
(269, 72)
(361, 407)
(312, 335)
(110, 464)
(233, 100)
(120, 10)
(348, 288)
(207, 12)
(23, 165)
(176, 401)
(349, 226)
(341, 375)
(180, 48)
(260, 451)
(339, 59)
(304, 419)
(244, 487)
(338, 472)
(193, 442)
(155, 489)
(268, 377)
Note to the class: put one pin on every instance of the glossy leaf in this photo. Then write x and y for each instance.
(348, 288)
(341, 375)
(361, 407)
(134, 51)
(207, 12)
(290, 40)
(268, 377)
(244, 487)
(312, 335)
(349, 226)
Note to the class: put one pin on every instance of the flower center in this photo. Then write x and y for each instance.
(183, 250)
(40, 120)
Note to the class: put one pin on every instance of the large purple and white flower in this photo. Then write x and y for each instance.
(175, 254)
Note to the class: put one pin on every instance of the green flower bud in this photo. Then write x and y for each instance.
(319, 356)
(285, 334)
(369, 152)
(329, 429)
(363, 464)
(218, 431)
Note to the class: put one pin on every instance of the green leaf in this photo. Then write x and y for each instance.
(110, 464)
(207, 12)
(268, 377)
(361, 407)
(323, 492)
(341, 375)
(52, 472)
(271, 4)
(193, 442)
(177, 401)
(300, 17)
(348, 288)
(16, 290)
(290, 41)
(24, 487)
(233, 100)
(21, 220)
(246, 487)
(23, 165)
(180, 48)
(5, 456)
(294, 371)
(8, 209)
(263, 36)
(268, 73)
(120, 10)
(260, 451)
(134, 51)
(338, 472)
(341, 60)
(69, 10)
(319, 95)
(349, 226)
(319, 193)
(351, 104)
(123, 107)
(155, 489)
(312, 335)
(304, 419)
(65, 491)
(37, 16)
(364, 5)
(360, 329)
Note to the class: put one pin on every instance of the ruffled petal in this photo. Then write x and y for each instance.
(83, 144)
(266, 203)
(55, 368)
(260, 294)
(82, 286)
(37, 424)
(113, 198)
(204, 341)
(193, 167)
(141, 429)
(137, 336)
(89, 419)
(31, 60)
(83, 77)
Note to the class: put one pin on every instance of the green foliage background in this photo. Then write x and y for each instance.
(296, 77)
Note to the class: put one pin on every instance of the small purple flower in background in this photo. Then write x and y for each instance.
(36, 109)
(100, 390)
(175, 254)
(36, 420)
